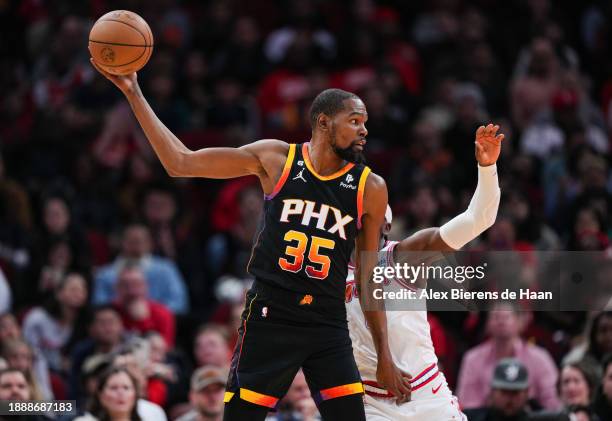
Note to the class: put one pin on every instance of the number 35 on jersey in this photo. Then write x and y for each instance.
(301, 246)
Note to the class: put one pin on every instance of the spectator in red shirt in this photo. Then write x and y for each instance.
(138, 312)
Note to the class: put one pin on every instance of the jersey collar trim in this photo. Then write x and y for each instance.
(310, 167)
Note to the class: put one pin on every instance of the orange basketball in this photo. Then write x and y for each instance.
(121, 42)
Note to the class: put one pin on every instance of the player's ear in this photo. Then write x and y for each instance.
(323, 122)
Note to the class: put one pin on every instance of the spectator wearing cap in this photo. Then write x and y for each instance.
(508, 395)
(602, 404)
(206, 394)
(165, 282)
(138, 312)
(504, 326)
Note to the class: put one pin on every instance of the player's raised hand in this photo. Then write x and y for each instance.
(488, 144)
(394, 380)
(125, 83)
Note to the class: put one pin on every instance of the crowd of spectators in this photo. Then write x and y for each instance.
(122, 287)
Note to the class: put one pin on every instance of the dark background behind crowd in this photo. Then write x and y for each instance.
(98, 243)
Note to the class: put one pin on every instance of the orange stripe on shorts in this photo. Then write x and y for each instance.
(339, 391)
(258, 398)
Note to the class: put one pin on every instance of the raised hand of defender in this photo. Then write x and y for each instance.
(125, 83)
(488, 144)
(394, 380)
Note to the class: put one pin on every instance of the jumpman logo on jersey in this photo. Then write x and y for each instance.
(300, 176)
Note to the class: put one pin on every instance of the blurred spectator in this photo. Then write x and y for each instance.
(599, 341)
(470, 111)
(60, 323)
(427, 157)
(139, 173)
(529, 226)
(603, 398)
(436, 25)
(119, 139)
(229, 252)
(20, 356)
(588, 231)
(135, 357)
(532, 91)
(303, 30)
(106, 333)
(243, 58)
(508, 396)
(170, 366)
(9, 331)
(165, 283)
(582, 413)
(210, 347)
(14, 386)
(423, 208)
(578, 383)
(160, 211)
(90, 373)
(6, 299)
(163, 99)
(15, 200)
(170, 229)
(58, 224)
(206, 394)
(230, 108)
(115, 398)
(138, 312)
(504, 326)
(297, 403)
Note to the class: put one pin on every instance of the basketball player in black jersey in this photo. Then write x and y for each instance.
(321, 202)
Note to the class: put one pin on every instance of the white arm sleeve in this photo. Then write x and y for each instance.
(480, 214)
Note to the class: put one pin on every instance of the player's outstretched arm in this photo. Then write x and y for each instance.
(481, 212)
(178, 160)
(367, 243)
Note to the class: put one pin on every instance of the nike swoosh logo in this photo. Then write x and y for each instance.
(434, 391)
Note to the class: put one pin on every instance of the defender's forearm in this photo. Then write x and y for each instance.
(480, 214)
(377, 321)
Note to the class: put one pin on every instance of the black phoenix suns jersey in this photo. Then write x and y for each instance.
(309, 226)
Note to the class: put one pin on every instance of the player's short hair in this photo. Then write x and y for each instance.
(329, 102)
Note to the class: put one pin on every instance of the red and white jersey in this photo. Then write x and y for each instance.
(408, 330)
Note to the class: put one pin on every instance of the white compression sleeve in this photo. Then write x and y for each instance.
(480, 214)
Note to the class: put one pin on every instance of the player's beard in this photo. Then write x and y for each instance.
(349, 153)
